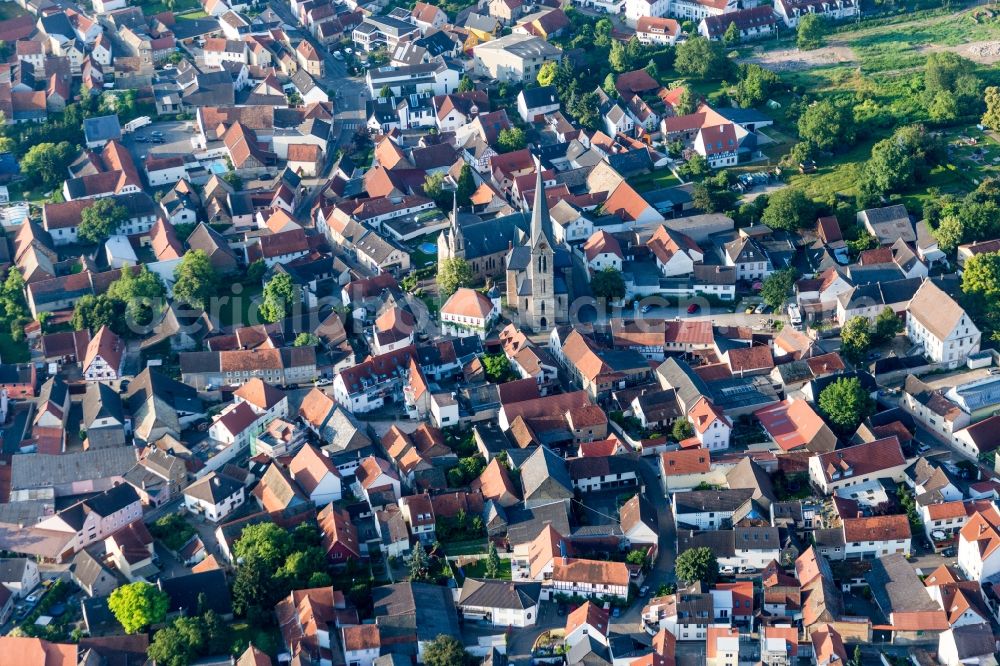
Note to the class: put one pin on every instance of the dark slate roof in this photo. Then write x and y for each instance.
(184, 592)
(101, 128)
(723, 500)
(101, 401)
(499, 594)
(541, 96)
(540, 467)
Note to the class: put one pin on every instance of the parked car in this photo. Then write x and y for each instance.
(156, 134)
(338, 55)
(646, 308)
(324, 381)
(749, 310)
(949, 551)
(644, 591)
(694, 307)
(141, 139)
(617, 612)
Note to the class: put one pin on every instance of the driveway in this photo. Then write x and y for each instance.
(521, 640)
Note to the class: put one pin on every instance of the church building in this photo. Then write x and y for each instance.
(535, 289)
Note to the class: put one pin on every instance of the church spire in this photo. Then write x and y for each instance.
(541, 225)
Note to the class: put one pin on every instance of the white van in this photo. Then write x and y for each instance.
(794, 316)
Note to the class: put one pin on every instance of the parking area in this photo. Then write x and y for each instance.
(175, 135)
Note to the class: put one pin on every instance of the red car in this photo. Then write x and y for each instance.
(694, 307)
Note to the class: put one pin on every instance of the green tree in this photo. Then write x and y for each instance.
(511, 139)
(755, 84)
(991, 118)
(946, 71)
(138, 605)
(696, 166)
(445, 651)
(46, 163)
(732, 35)
(141, 293)
(858, 659)
(687, 103)
(855, 339)
(981, 275)
(845, 404)
(587, 111)
(434, 189)
(609, 85)
(618, 58)
(682, 430)
(887, 325)
(385, 92)
(492, 562)
(943, 107)
(697, 564)
(179, 643)
(777, 286)
(608, 283)
(466, 85)
(825, 125)
(812, 31)
(420, 568)
(497, 367)
(255, 271)
(280, 297)
(637, 557)
(454, 273)
(195, 279)
(547, 73)
(100, 220)
(700, 58)
(263, 542)
(92, 312)
(306, 340)
(788, 208)
(465, 187)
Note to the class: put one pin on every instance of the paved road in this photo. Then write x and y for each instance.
(348, 95)
(662, 572)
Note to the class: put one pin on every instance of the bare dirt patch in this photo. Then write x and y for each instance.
(792, 60)
(986, 53)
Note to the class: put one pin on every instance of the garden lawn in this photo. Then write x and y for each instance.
(477, 569)
(238, 309)
(151, 7)
(653, 181)
(471, 547)
(13, 352)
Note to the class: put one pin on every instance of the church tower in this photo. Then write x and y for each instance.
(540, 312)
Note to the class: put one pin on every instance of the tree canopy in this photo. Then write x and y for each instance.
(280, 296)
(511, 139)
(445, 651)
(100, 220)
(608, 283)
(788, 208)
(697, 564)
(825, 125)
(777, 286)
(138, 605)
(845, 404)
(46, 163)
(811, 32)
(195, 280)
(454, 273)
(700, 58)
(855, 339)
(141, 294)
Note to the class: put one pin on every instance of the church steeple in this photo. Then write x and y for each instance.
(541, 225)
(456, 230)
